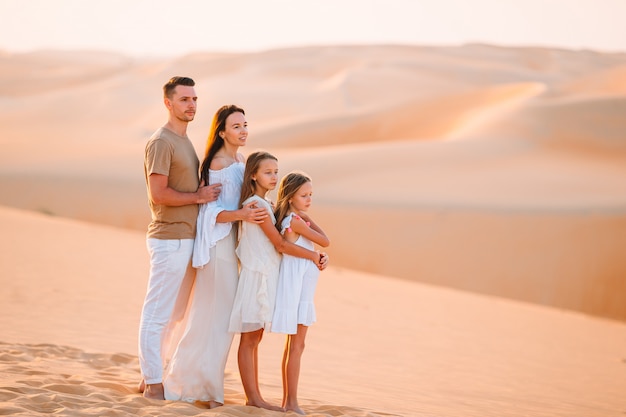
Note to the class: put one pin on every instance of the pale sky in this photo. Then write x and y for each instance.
(171, 28)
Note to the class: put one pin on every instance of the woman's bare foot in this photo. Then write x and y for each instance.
(154, 391)
(142, 386)
(214, 404)
(265, 405)
(208, 404)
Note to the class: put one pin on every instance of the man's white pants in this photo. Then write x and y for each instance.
(170, 262)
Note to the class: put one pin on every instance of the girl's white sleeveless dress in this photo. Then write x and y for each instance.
(297, 280)
(258, 277)
(196, 371)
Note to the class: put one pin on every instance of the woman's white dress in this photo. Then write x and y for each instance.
(196, 370)
(297, 280)
(258, 278)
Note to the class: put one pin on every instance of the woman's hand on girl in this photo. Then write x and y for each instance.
(253, 214)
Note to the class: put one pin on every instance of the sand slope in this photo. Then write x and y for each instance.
(381, 347)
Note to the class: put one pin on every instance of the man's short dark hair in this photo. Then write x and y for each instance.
(170, 86)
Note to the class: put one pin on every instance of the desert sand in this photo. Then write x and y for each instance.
(475, 198)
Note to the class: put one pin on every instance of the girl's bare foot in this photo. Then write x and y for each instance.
(154, 391)
(296, 410)
(264, 405)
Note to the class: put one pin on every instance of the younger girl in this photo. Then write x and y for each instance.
(258, 252)
(294, 310)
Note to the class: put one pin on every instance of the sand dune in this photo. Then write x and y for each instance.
(608, 82)
(50, 71)
(491, 179)
(573, 124)
(491, 169)
(437, 118)
(381, 347)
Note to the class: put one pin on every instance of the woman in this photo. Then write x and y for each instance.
(196, 371)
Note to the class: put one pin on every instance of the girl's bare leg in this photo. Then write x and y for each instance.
(248, 369)
(291, 369)
(284, 368)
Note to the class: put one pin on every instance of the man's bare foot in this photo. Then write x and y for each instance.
(154, 391)
(265, 405)
(142, 386)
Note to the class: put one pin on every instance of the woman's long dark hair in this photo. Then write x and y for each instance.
(215, 141)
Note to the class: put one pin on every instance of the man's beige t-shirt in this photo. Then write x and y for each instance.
(174, 156)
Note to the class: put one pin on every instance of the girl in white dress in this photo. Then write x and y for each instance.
(258, 252)
(294, 309)
(196, 370)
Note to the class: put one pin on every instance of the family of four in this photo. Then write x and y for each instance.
(223, 259)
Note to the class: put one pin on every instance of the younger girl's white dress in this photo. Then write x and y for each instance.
(258, 277)
(297, 280)
(196, 371)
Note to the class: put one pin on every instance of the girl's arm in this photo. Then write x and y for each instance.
(284, 246)
(311, 230)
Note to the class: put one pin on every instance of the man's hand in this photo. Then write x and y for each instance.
(208, 193)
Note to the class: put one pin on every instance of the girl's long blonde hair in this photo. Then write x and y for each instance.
(289, 186)
(253, 162)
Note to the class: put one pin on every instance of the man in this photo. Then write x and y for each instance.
(171, 171)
